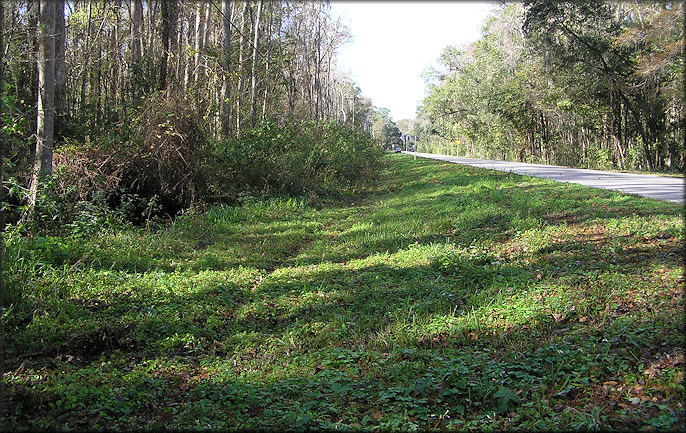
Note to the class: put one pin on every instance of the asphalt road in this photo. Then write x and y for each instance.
(657, 187)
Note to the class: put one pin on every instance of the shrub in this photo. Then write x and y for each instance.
(167, 151)
(162, 161)
(156, 157)
(317, 157)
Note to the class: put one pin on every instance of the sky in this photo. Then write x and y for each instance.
(393, 43)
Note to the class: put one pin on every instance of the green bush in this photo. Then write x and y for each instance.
(317, 157)
(162, 163)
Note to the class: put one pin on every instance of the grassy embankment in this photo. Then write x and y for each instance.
(446, 297)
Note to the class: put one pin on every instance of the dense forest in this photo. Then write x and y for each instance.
(126, 109)
(154, 107)
(584, 84)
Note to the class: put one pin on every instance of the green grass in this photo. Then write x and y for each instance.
(445, 297)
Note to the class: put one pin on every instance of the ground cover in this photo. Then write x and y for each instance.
(444, 297)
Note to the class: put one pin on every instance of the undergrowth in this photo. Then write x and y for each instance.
(443, 298)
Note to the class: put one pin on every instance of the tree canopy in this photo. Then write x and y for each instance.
(588, 84)
(142, 94)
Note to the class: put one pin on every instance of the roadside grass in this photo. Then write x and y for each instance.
(445, 297)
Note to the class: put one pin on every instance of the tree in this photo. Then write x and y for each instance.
(589, 84)
(586, 38)
(385, 129)
(253, 72)
(261, 60)
(659, 67)
(225, 106)
(136, 13)
(136, 16)
(169, 39)
(46, 98)
(2, 173)
(60, 66)
(390, 135)
(406, 126)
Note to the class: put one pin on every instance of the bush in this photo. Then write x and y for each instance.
(155, 157)
(167, 152)
(317, 157)
(161, 162)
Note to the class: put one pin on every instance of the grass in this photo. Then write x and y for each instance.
(443, 298)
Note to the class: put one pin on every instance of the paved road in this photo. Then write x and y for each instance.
(658, 187)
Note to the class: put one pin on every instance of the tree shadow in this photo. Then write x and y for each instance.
(280, 328)
(320, 294)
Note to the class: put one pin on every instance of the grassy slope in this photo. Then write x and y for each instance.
(447, 297)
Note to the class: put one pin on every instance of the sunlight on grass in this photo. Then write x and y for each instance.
(480, 299)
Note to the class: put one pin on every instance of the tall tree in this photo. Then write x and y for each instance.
(224, 103)
(588, 84)
(169, 40)
(2, 184)
(136, 30)
(199, 38)
(253, 72)
(60, 65)
(136, 15)
(242, 48)
(46, 98)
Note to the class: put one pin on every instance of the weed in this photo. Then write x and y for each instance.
(444, 298)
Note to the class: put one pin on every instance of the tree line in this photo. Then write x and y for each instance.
(136, 97)
(586, 84)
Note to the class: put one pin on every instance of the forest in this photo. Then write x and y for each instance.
(583, 84)
(144, 108)
(125, 110)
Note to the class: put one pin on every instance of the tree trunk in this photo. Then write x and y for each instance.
(2, 175)
(117, 94)
(208, 27)
(60, 66)
(225, 105)
(46, 98)
(137, 30)
(84, 74)
(318, 65)
(267, 66)
(152, 18)
(199, 40)
(2, 77)
(98, 81)
(241, 69)
(253, 73)
(169, 41)
(136, 12)
(165, 46)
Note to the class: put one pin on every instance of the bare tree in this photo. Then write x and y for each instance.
(2, 175)
(169, 39)
(242, 47)
(199, 38)
(60, 65)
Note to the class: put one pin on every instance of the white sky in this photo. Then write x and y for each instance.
(394, 42)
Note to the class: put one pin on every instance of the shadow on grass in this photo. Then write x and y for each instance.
(460, 205)
(332, 320)
(374, 346)
(368, 301)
